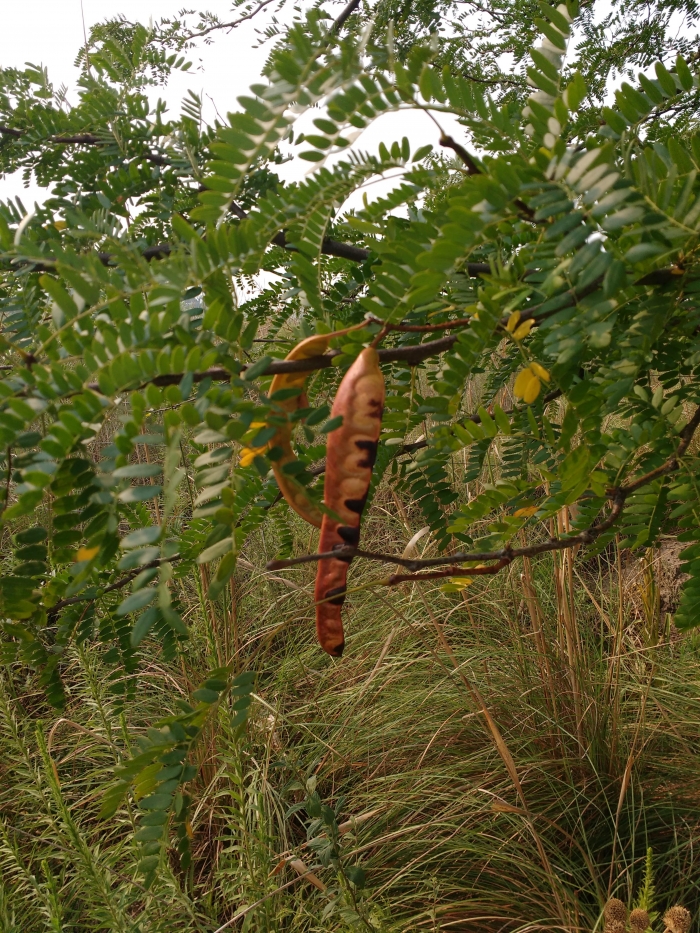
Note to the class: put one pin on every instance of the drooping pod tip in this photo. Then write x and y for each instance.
(336, 651)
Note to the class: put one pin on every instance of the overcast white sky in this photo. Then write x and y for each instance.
(50, 33)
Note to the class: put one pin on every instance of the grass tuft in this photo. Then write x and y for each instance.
(496, 759)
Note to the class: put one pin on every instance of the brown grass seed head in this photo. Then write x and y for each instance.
(639, 920)
(615, 911)
(677, 919)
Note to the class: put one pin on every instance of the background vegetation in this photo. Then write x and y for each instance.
(497, 752)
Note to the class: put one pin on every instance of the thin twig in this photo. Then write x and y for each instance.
(672, 464)
(412, 356)
(397, 578)
(234, 24)
(424, 328)
(117, 585)
(449, 143)
(78, 139)
(506, 555)
(473, 169)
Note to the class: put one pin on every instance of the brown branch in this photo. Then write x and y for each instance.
(449, 143)
(425, 328)
(501, 558)
(506, 555)
(409, 563)
(345, 15)
(656, 277)
(397, 578)
(232, 25)
(197, 34)
(417, 353)
(672, 464)
(412, 356)
(473, 169)
(329, 247)
(117, 585)
(79, 139)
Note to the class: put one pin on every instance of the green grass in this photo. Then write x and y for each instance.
(488, 777)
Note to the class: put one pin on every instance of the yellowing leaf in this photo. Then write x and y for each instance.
(522, 381)
(461, 582)
(525, 512)
(532, 390)
(540, 371)
(521, 332)
(301, 869)
(503, 807)
(60, 224)
(527, 384)
(86, 553)
(513, 321)
(248, 454)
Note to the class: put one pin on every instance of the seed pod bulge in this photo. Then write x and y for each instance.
(350, 456)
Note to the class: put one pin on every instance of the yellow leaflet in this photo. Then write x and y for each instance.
(522, 381)
(521, 332)
(540, 371)
(525, 512)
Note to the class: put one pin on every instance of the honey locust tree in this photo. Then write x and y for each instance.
(547, 245)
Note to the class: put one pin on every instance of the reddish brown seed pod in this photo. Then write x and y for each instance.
(350, 456)
(294, 492)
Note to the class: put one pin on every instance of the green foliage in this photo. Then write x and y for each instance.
(158, 769)
(646, 898)
(386, 768)
(558, 249)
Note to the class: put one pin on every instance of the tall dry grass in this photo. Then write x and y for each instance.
(499, 759)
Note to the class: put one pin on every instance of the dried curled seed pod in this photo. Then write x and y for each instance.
(350, 456)
(677, 919)
(639, 920)
(293, 491)
(615, 916)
